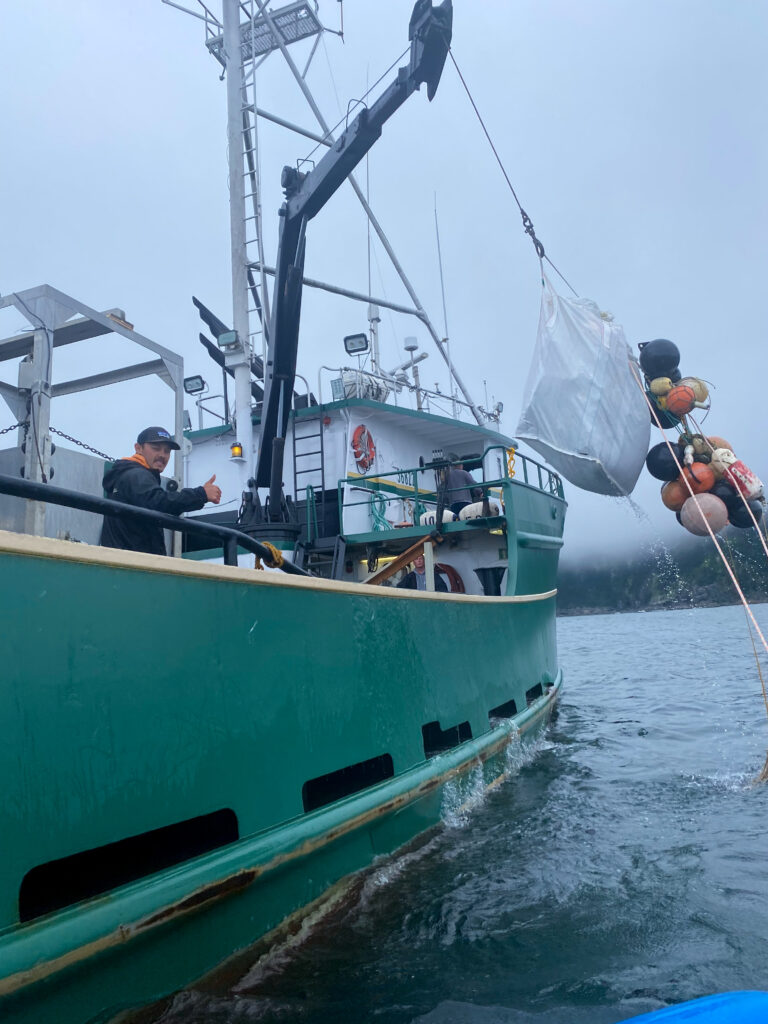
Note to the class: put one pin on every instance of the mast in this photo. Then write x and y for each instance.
(237, 356)
(306, 194)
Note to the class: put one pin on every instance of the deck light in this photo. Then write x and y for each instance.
(356, 344)
(229, 339)
(236, 451)
(194, 385)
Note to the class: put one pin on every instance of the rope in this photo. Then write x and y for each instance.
(527, 222)
(715, 541)
(741, 495)
(275, 562)
(378, 510)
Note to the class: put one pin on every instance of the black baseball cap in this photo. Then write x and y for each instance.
(157, 435)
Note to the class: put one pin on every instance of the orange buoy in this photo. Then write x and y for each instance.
(700, 476)
(718, 442)
(674, 495)
(680, 400)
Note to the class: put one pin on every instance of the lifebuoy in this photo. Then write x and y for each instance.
(363, 448)
(457, 583)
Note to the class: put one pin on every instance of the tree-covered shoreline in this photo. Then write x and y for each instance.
(690, 574)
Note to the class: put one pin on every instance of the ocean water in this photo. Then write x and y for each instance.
(623, 866)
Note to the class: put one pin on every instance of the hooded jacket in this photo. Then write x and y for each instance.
(132, 481)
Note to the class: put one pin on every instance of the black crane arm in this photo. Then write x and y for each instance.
(430, 35)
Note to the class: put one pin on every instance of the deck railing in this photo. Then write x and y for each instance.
(408, 489)
(227, 538)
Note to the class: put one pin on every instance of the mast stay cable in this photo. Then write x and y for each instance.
(527, 222)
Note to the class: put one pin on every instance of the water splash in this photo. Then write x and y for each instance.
(461, 796)
(674, 587)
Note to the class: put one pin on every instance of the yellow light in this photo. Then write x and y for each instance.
(236, 450)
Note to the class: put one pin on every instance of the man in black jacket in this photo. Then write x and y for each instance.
(416, 579)
(136, 481)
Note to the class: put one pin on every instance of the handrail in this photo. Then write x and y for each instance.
(554, 482)
(228, 538)
(546, 481)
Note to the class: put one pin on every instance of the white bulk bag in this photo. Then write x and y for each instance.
(582, 408)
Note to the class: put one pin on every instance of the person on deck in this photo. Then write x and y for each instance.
(136, 481)
(461, 487)
(416, 579)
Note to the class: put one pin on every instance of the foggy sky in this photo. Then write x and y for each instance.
(634, 135)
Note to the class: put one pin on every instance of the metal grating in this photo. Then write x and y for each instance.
(295, 22)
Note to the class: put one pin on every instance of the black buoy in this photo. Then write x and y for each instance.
(738, 516)
(661, 463)
(727, 493)
(659, 358)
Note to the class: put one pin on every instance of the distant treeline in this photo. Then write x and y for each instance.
(689, 574)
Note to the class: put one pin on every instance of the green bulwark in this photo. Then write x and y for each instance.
(284, 729)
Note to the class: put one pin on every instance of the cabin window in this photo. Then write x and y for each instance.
(325, 789)
(60, 883)
(506, 710)
(437, 740)
(534, 693)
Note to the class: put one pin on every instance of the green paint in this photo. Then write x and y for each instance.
(199, 435)
(153, 698)
(427, 417)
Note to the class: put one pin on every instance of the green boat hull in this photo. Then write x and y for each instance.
(143, 692)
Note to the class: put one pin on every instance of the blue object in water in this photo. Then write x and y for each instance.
(725, 1008)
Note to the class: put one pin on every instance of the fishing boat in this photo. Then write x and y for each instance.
(200, 750)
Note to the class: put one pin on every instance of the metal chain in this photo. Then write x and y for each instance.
(74, 440)
(15, 426)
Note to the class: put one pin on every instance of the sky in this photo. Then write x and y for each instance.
(634, 135)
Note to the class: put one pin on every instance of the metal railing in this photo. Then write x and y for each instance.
(227, 538)
(545, 479)
(405, 491)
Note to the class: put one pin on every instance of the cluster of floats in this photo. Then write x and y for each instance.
(705, 483)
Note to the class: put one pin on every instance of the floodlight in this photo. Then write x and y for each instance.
(194, 385)
(356, 344)
(228, 339)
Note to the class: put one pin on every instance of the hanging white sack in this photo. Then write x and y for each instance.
(582, 408)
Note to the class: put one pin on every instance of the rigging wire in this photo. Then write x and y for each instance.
(527, 222)
(330, 72)
(333, 128)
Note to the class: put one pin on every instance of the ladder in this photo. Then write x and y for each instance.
(309, 474)
(260, 33)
